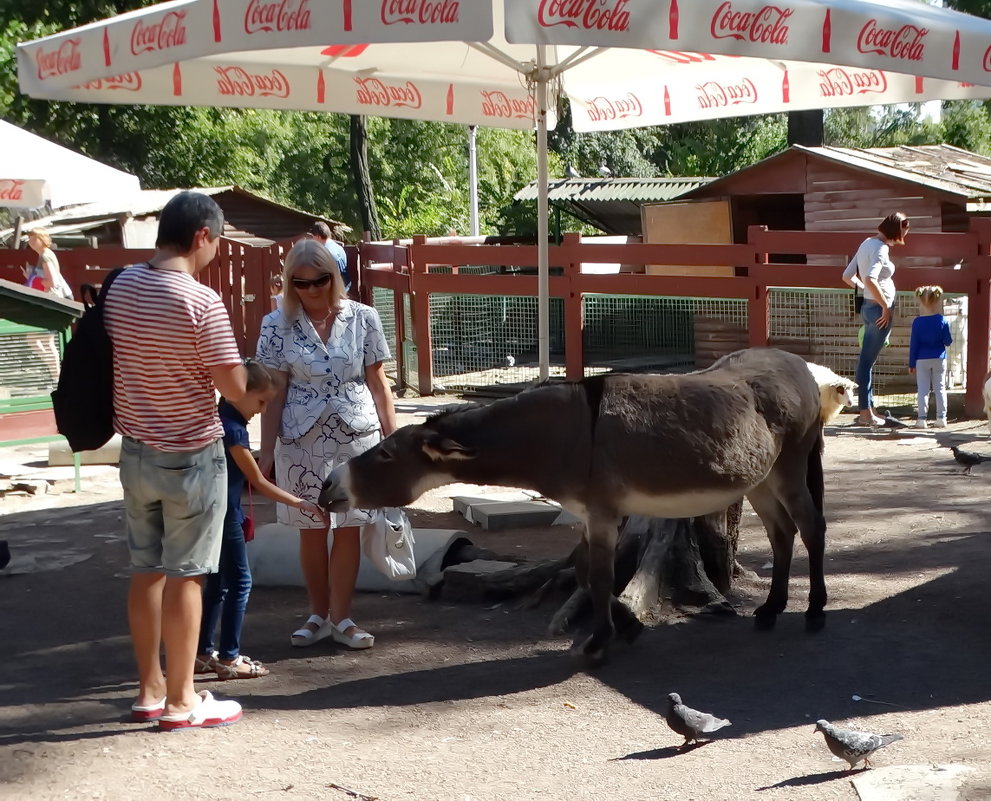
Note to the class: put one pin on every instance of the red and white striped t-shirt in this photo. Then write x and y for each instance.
(167, 330)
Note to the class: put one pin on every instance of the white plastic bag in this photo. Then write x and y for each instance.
(387, 542)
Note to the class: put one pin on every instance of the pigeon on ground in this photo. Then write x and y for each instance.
(571, 172)
(853, 746)
(690, 723)
(967, 458)
(893, 422)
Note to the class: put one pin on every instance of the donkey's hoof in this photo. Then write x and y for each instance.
(629, 630)
(815, 621)
(590, 653)
(764, 621)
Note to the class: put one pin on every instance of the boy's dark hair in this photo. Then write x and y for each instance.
(894, 227)
(259, 378)
(320, 229)
(183, 216)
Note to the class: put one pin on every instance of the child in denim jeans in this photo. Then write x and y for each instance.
(225, 596)
(927, 353)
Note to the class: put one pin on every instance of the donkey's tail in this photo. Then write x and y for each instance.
(813, 477)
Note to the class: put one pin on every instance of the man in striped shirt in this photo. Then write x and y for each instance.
(173, 346)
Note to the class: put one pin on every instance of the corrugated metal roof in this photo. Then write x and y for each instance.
(941, 167)
(638, 190)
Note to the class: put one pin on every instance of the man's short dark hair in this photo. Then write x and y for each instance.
(183, 216)
(320, 229)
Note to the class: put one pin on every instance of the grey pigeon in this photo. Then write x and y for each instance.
(967, 458)
(571, 172)
(604, 171)
(853, 746)
(690, 723)
(890, 421)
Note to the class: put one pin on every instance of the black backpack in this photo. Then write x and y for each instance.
(84, 399)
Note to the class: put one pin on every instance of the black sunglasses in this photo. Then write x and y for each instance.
(306, 283)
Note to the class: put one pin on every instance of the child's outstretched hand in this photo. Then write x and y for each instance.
(313, 509)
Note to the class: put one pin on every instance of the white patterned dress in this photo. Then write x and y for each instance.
(330, 413)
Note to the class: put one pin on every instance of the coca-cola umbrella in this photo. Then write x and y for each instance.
(504, 63)
(35, 171)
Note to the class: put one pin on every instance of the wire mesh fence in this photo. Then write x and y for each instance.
(489, 340)
(383, 300)
(822, 326)
(660, 334)
(29, 363)
(483, 340)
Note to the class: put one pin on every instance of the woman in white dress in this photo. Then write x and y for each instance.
(45, 275)
(335, 402)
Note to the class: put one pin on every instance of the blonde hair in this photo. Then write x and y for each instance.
(929, 295)
(43, 235)
(310, 253)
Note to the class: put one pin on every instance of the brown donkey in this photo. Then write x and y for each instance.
(616, 445)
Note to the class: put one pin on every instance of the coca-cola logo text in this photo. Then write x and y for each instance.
(169, 31)
(840, 82)
(238, 82)
(376, 92)
(598, 15)
(59, 61)
(621, 108)
(905, 43)
(11, 189)
(127, 82)
(713, 94)
(767, 25)
(422, 12)
(499, 104)
(282, 15)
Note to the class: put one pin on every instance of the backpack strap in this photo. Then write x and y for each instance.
(89, 294)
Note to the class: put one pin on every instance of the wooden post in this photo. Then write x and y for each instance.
(758, 308)
(574, 310)
(421, 323)
(978, 321)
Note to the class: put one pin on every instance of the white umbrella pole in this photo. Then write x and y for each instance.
(543, 283)
(473, 177)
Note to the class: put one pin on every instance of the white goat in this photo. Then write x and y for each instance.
(835, 392)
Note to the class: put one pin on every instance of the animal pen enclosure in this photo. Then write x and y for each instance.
(467, 313)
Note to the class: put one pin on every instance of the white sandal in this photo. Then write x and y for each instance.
(357, 641)
(304, 637)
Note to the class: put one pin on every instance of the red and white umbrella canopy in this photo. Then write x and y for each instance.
(623, 63)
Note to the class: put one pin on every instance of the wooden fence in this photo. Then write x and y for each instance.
(424, 268)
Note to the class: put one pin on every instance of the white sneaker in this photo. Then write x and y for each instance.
(940, 423)
(920, 424)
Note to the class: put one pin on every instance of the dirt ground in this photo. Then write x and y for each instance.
(475, 702)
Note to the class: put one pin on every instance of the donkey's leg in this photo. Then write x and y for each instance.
(781, 534)
(602, 534)
(803, 508)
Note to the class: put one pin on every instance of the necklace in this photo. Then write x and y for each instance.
(320, 321)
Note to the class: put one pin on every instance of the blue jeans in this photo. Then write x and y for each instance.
(874, 339)
(225, 595)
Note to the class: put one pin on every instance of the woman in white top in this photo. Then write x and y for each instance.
(872, 271)
(335, 402)
(45, 275)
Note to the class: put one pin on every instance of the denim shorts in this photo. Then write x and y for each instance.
(175, 504)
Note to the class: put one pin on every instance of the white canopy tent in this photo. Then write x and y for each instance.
(505, 63)
(34, 171)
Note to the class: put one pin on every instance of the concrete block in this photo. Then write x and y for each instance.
(464, 582)
(59, 454)
(500, 516)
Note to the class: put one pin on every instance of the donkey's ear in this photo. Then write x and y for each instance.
(439, 448)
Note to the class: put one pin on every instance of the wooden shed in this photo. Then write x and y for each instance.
(131, 221)
(827, 189)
